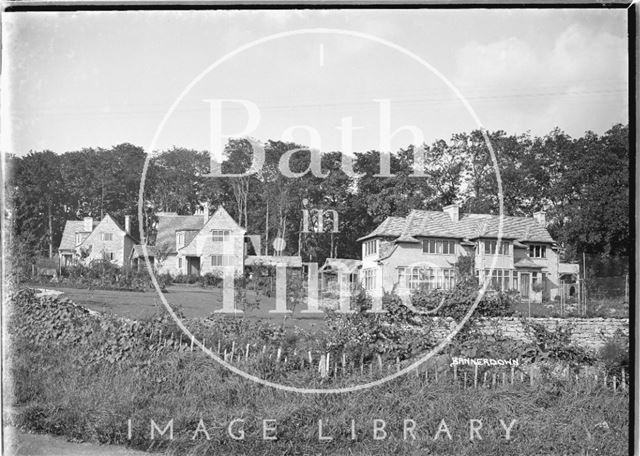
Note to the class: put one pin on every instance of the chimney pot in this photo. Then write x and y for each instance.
(127, 224)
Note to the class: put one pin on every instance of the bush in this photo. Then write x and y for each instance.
(615, 354)
(105, 275)
(455, 303)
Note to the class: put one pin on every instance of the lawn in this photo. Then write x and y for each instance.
(195, 302)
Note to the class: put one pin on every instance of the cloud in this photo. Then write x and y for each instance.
(580, 71)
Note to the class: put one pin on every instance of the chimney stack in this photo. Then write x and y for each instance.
(453, 210)
(540, 217)
(88, 224)
(127, 224)
(205, 206)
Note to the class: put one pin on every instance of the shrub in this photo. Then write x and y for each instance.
(615, 354)
(555, 345)
(105, 275)
(456, 302)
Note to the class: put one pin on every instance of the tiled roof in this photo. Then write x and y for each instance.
(469, 226)
(169, 224)
(137, 251)
(220, 220)
(346, 264)
(71, 227)
(525, 262)
(270, 260)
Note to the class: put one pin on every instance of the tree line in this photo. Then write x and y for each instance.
(582, 183)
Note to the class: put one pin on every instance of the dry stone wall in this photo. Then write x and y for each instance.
(589, 333)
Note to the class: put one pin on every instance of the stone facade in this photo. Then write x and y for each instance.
(589, 333)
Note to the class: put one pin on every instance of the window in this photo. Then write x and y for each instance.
(538, 251)
(108, 256)
(180, 240)
(79, 238)
(179, 263)
(370, 247)
(422, 277)
(369, 279)
(500, 279)
(439, 246)
(220, 235)
(106, 236)
(221, 260)
(402, 276)
(493, 248)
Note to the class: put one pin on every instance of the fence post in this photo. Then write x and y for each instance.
(475, 376)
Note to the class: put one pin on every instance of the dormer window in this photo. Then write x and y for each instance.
(493, 248)
(179, 240)
(538, 251)
(370, 247)
(220, 235)
(79, 238)
(439, 246)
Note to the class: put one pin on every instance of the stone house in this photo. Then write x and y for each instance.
(421, 251)
(88, 240)
(197, 244)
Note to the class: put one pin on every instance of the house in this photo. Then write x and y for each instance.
(198, 244)
(88, 240)
(421, 250)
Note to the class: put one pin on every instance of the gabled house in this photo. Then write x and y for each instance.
(198, 244)
(421, 250)
(88, 240)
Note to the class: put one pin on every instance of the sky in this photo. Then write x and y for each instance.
(348, 80)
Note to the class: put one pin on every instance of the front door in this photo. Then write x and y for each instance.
(193, 265)
(524, 284)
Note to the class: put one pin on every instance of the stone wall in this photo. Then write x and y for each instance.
(589, 333)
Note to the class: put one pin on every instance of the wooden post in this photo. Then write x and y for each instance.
(614, 384)
(464, 386)
(513, 371)
(218, 346)
(455, 372)
(484, 379)
(361, 363)
(475, 376)
(246, 352)
(397, 364)
(279, 354)
(380, 361)
(493, 380)
(436, 372)
(192, 341)
(504, 378)
(310, 357)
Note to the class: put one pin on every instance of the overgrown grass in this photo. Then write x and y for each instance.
(52, 394)
(87, 386)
